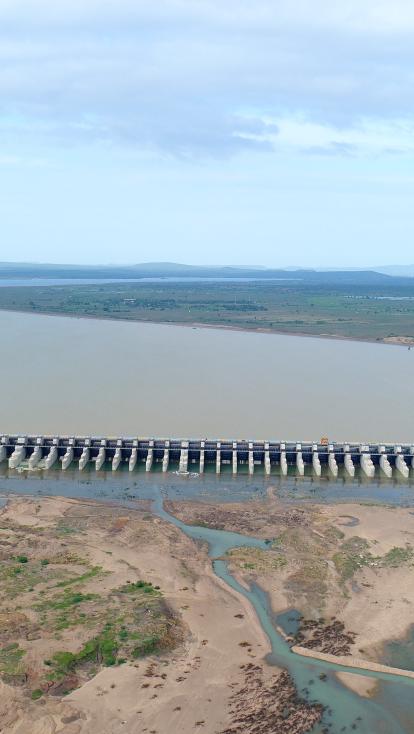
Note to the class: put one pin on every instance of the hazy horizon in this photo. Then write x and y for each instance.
(167, 263)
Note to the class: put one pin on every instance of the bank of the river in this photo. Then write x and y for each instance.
(399, 341)
(374, 311)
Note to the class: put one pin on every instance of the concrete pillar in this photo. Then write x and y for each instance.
(234, 456)
(267, 466)
(366, 462)
(300, 466)
(37, 453)
(134, 456)
(117, 458)
(166, 456)
(68, 457)
(384, 463)
(283, 460)
(316, 464)
(19, 453)
(348, 463)
(133, 459)
(150, 456)
(202, 445)
(101, 458)
(218, 458)
(333, 466)
(400, 464)
(183, 468)
(52, 456)
(3, 449)
(251, 458)
(85, 455)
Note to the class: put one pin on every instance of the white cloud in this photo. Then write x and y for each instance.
(368, 137)
(175, 74)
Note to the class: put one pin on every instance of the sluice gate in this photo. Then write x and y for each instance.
(269, 457)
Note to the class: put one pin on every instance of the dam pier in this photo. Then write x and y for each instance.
(281, 458)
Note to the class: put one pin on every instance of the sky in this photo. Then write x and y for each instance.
(273, 133)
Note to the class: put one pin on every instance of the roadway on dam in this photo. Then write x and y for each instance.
(64, 375)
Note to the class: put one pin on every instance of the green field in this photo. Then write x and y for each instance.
(374, 312)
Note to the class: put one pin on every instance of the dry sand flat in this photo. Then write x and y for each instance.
(181, 691)
(351, 661)
(382, 605)
(202, 683)
(360, 684)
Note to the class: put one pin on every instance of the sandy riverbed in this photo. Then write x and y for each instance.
(219, 648)
(345, 562)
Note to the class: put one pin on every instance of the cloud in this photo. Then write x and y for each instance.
(203, 77)
(368, 137)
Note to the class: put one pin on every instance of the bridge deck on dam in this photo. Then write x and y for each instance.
(271, 457)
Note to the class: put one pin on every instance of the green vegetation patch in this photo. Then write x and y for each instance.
(101, 650)
(141, 625)
(63, 591)
(256, 559)
(352, 556)
(63, 528)
(149, 645)
(10, 661)
(18, 576)
(309, 579)
(95, 571)
(66, 600)
(140, 586)
(397, 556)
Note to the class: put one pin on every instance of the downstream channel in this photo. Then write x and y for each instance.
(390, 710)
(344, 710)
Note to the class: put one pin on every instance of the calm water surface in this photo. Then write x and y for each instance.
(86, 376)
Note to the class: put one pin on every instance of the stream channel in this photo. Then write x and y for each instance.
(391, 709)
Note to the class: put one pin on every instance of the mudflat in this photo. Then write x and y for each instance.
(112, 620)
(345, 568)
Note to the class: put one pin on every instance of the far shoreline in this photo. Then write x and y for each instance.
(400, 341)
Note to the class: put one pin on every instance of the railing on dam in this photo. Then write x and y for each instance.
(271, 457)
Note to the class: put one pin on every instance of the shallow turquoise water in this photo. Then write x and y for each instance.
(400, 653)
(209, 487)
(289, 621)
(344, 710)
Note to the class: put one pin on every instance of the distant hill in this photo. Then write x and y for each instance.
(178, 270)
(403, 271)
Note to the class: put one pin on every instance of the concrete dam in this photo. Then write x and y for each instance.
(183, 456)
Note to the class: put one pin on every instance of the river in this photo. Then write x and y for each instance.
(89, 376)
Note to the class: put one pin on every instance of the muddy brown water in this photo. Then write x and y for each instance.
(88, 376)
